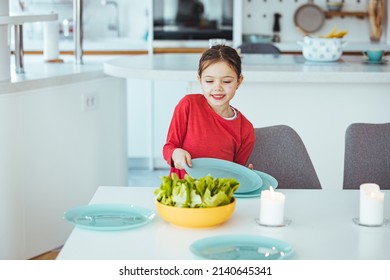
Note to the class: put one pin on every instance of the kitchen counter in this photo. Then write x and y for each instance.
(40, 74)
(294, 68)
(118, 45)
(318, 100)
(93, 44)
(256, 68)
(56, 122)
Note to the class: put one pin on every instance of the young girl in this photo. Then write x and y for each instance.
(205, 125)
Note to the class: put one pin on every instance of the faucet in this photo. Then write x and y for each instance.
(113, 26)
(78, 30)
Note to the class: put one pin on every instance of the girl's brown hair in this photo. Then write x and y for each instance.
(220, 53)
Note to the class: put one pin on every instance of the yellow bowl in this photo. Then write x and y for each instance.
(196, 217)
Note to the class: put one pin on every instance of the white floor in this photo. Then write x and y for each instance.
(146, 178)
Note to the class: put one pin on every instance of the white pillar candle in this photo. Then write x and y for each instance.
(371, 205)
(50, 40)
(271, 208)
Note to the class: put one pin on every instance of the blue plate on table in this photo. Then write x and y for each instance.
(241, 247)
(218, 168)
(268, 181)
(109, 216)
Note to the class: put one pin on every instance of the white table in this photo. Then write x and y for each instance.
(321, 229)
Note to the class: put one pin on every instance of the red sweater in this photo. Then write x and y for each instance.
(196, 128)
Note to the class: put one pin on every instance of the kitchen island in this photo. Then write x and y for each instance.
(54, 148)
(317, 99)
(256, 68)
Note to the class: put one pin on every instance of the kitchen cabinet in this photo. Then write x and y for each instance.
(55, 154)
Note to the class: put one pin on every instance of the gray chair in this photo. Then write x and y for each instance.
(367, 155)
(280, 152)
(262, 48)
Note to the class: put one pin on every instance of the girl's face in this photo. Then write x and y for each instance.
(219, 83)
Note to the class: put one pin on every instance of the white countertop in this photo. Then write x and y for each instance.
(93, 44)
(17, 19)
(321, 229)
(39, 74)
(256, 68)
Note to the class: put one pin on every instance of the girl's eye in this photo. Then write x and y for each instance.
(208, 81)
(227, 82)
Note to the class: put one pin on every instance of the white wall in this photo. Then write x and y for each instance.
(53, 157)
(258, 18)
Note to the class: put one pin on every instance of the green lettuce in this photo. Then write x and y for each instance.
(195, 193)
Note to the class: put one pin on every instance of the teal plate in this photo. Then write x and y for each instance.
(109, 216)
(218, 168)
(268, 181)
(241, 247)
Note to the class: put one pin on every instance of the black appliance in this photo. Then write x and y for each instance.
(192, 19)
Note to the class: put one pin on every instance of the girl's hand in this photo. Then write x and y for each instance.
(250, 166)
(181, 158)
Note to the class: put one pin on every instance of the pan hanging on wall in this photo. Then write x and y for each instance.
(309, 17)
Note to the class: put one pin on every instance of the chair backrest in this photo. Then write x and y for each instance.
(280, 152)
(265, 48)
(367, 155)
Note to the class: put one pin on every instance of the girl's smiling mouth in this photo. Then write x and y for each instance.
(218, 96)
